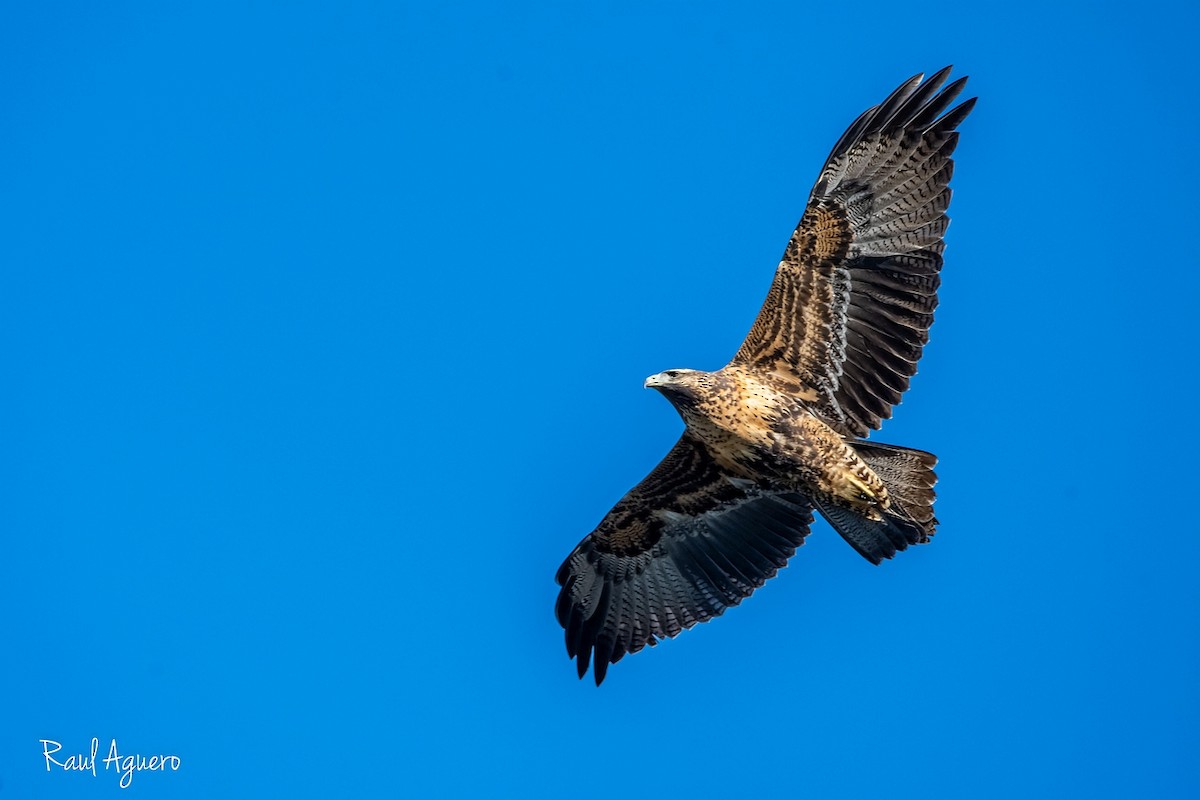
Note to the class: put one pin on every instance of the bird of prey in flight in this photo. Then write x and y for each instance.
(779, 431)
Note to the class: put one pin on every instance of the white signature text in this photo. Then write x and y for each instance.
(122, 765)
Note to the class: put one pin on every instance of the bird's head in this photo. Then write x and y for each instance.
(683, 387)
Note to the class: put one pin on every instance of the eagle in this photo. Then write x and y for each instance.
(780, 431)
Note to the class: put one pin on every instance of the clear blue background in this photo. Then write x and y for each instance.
(323, 334)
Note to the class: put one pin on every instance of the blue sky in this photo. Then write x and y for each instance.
(324, 333)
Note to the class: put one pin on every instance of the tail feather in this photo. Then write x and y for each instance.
(909, 477)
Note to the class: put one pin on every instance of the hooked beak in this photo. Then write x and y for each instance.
(655, 381)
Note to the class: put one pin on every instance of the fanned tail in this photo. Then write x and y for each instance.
(909, 477)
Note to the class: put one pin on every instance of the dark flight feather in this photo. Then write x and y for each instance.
(661, 562)
(862, 266)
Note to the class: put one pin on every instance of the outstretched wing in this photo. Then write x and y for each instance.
(685, 544)
(849, 310)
